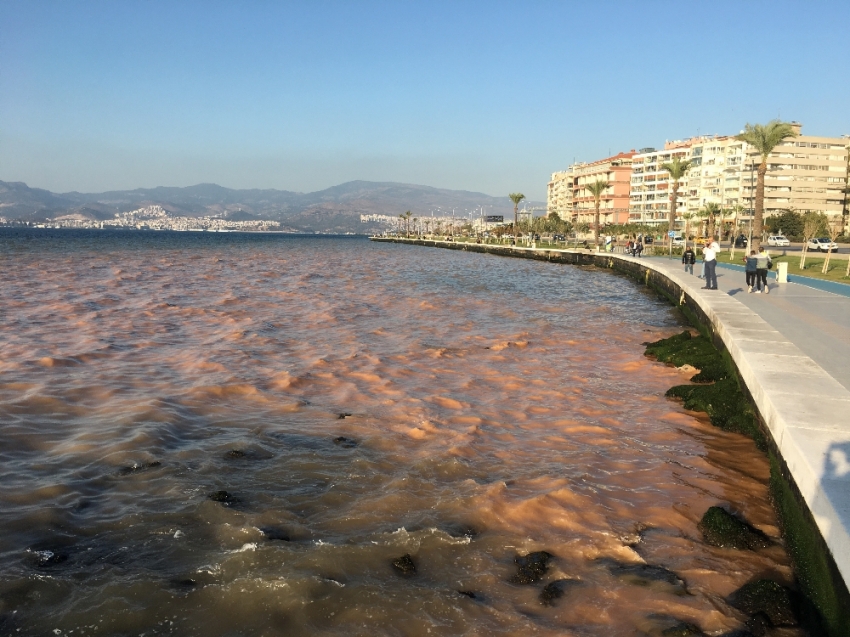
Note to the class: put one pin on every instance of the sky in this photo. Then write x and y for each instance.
(483, 96)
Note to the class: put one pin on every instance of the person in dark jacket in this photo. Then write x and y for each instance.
(750, 270)
(689, 258)
(639, 248)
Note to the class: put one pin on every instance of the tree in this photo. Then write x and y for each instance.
(596, 189)
(833, 228)
(710, 212)
(789, 222)
(813, 225)
(764, 139)
(677, 169)
(406, 216)
(516, 197)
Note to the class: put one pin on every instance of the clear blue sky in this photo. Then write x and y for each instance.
(488, 96)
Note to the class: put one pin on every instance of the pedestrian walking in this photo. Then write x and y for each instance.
(688, 259)
(750, 269)
(709, 257)
(763, 263)
(639, 248)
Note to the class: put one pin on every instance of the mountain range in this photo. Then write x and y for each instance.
(335, 209)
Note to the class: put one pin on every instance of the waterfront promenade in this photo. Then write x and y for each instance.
(792, 350)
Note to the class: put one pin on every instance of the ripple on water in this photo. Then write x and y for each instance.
(245, 434)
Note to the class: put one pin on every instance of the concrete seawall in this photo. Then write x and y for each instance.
(804, 412)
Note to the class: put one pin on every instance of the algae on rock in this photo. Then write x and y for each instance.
(721, 528)
(722, 399)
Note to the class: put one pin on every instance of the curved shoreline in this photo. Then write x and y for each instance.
(801, 408)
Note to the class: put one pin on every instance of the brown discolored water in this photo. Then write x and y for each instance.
(357, 402)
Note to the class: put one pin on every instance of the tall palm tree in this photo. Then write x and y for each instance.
(677, 168)
(516, 197)
(596, 189)
(711, 211)
(687, 217)
(406, 216)
(764, 139)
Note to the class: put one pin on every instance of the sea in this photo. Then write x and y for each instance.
(268, 434)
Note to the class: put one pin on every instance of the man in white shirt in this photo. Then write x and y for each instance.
(709, 256)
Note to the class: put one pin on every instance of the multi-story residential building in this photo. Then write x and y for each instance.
(569, 197)
(716, 174)
(614, 204)
(649, 199)
(804, 173)
(560, 194)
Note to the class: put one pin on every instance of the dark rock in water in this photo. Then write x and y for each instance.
(47, 558)
(460, 530)
(344, 415)
(469, 594)
(555, 590)
(347, 443)
(759, 625)
(184, 583)
(683, 629)
(223, 497)
(650, 576)
(136, 467)
(235, 454)
(405, 565)
(274, 533)
(721, 528)
(531, 567)
(777, 603)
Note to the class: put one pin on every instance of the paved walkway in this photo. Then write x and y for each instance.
(792, 349)
(816, 321)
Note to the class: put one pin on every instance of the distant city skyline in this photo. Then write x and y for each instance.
(489, 97)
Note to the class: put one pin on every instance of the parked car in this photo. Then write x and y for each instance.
(741, 241)
(778, 240)
(647, 240)
(678, 242)
(822, 244)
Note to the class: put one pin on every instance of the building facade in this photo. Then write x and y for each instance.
(804, 173)
(569, 197)
(649, 198)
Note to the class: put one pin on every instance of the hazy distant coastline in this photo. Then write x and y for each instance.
(215, 208)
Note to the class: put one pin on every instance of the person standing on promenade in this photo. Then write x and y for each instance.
(750, 269)
(709, 257)
(762, 265)
(689, 258)
(639, 248)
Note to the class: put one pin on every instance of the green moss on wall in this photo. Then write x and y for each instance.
(827, 607)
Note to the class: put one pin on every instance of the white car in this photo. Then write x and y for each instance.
(678, 242)
(823, 244)
(778, 240)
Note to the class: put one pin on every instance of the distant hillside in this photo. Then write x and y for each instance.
(334, 209)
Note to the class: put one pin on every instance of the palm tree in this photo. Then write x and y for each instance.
(687, 217)
(677, 169)
(516, 197)
(710, 212)
(406, 216)
(596, 189)
(764, 139)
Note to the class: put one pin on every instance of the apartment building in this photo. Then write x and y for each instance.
(716, 174)
(804, 173)
(559, 197)
(649, 197)
(569, 197)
